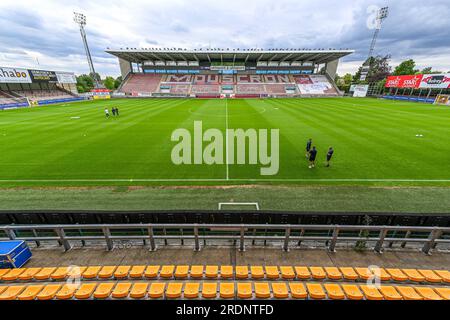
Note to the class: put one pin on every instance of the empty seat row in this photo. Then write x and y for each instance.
(222, 290)
(225, 272)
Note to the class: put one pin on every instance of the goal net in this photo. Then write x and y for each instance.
(443, 99)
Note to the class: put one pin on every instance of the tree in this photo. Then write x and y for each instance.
(109, 83)
(118, 82)
(379, 69)
(428, 70)
(405, 68)
(85, 83)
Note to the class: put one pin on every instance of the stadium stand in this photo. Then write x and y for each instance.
(141, 83)
(44, 94)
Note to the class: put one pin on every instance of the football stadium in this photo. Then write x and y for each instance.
(224, 174)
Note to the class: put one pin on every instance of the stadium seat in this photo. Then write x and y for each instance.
(315, 291)
(430, 276)
(44, 274)
(352, 291)
(241, 272)
(397, 274)
(364, 273)
(67, 291)
(349, 273)
(257, 272)
(3, 272)
(413, 275)
(91, 272)
(28, 274)
(272, 272)
(334, 291)
(408, 293)
(10, 293)
(384, 275)
(262, 290)
(280, 290)
(60, 273)
(139, 290)
(122, 272)
(389, 293)
(181, 272)
(156, 290)
(137, 272)
(244, 290)
(167, 271)
(76, 272)
(298, 290)
(443, 292)
(333, 273)
(212, 272)
(317, 273)
(104, 290)
(428, 293)
(30, 292)
(48, 292)
(371, 292)
(226, 272)
(191, 290)
(197, 272)
(173, 290)
(226, 290)
(151, 272)
(3, 288)
(302, 273)
(287, 272)
(13, 274)
(209, 290)
(121, 290)
(106, 272)
(444, 274)
(85, 291)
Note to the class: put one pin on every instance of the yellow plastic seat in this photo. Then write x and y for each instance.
(209, 290)
(104, 290)
(212, 272)
(428, 293)
(28, 274)
(91, 272)
(49, 292)
(76, 272)
(173, 290)
(298, 290)
(122, 272)
(397, 274)
(443, 292)
(3, 272)
(241, 272)
(371, 292)
(85, 291)
(139, 290)
(106, 272)
(156, 290)
(315, 291)
(151, 272)
(44, 274)
(430, 276)
(444, 274)
(352, 292)
(167, 271)
(280, 290)
(67, 291)
(389, 293)
(272, 272)
(226, 272)
(244, 290)
(334, 291)
(287, 272)
(349, 273)
(413, 275)
(302, 273)
(30, 292)
(408, 293)
(137, 272)
(262, 290)
(60, 273)
(226, 290)
(257, 272)
(191, 290)
(3, 288)
(121, 290)
(13, 274)
(197, 272)
(11, 292)
(317, 273)
(364, 273)
(181, 272)
(333, 273)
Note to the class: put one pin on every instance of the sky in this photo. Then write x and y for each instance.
(42, 34)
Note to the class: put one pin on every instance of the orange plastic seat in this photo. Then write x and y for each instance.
(106, 272)
(197, 272)
(226, 290)
(3, 272)
(244, 290)
(317, 273)
(371, 292)
(444, 274)
(226, 272)
(122, 272)
(13, 274)
(173, 290)
(91, 272)
(75, 272)
(11, 292)
(257, 272)
(3, 288)
(151, 272)
(85, 291)
(333, 273)
(139, 290)
(121, 290)
(49, 292)
(241, 272)
(349, 273)
(67, 291)
(137, 272)
(334, 291)
(408, 293)
(352, 292)
(315, 291)
(302, 273)
(397, 274)
(181, 272)
(298, 290)
(156, 290)
(389, 293)
(30, 292)
(262, 290)
(44, 274)
(280, 290)
(443, 292)
(413, 275)
(287, 272)
(60, 273)
(166, 272)
(364, 273)
(272, 272)
(209, 290)
(212, 272)
(430, 276)
(104, 290)
(428, 293)
(28, 274)
(191, 290)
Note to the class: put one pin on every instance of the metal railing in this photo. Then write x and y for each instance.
(331, 235)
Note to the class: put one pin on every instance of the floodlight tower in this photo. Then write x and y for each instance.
(80, 19)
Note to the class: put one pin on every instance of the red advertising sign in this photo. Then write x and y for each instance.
(404, 81)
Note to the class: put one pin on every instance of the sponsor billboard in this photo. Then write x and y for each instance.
(360, 90)
(14, 75)
(435, 81)
(410, 81)
(43, 76)
(64, 77)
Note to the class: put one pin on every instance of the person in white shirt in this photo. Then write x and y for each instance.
(107, 113)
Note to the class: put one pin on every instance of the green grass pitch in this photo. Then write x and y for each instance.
(375, 142)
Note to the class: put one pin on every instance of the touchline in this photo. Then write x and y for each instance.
(239, 147)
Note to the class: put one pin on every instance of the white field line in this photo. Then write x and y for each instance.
(223, 180)
(226, 140)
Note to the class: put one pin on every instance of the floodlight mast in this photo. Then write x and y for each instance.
(80, 19)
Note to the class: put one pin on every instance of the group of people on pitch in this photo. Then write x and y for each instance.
(311, 154)
(114, 111)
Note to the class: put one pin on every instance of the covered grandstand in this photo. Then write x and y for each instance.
(231, 73)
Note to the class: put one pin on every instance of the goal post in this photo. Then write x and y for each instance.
(443, 99)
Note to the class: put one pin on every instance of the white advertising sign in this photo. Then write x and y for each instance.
(66, 77)
(14, 75)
